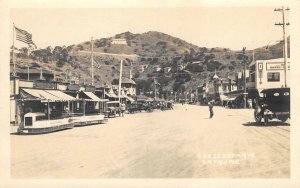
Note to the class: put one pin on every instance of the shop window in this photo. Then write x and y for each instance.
(273, 77)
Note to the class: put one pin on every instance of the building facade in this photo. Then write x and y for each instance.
(270, 73)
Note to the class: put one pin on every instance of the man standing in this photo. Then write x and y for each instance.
(123, 108)
(250, 103)
(210, 106)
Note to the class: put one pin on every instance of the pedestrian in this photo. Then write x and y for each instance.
(210, 106)
(185, 105)
(123, 108)
(250, 103)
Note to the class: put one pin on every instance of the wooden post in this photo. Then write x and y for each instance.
(48, 110)
(83, 104)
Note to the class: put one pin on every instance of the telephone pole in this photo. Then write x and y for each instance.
(92, 57)
(245, 59)
(154, 88)
(284, 24)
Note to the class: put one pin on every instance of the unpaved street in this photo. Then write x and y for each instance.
(179, 143)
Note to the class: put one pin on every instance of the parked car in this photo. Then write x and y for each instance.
(132, 108)
(275, 103)
(113, 108)
(143, 105)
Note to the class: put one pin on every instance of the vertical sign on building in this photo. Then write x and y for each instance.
(260, 72)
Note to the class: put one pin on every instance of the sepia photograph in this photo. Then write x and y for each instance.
(140, 91)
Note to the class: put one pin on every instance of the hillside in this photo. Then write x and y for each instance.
(145, 52)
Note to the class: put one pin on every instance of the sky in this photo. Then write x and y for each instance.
(229, 27)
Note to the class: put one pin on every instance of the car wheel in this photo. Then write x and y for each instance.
(257, 115)
(283, 118)
(266, 120)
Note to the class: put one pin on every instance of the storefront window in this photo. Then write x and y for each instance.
(273, 77)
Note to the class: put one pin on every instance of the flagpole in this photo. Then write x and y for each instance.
(13, 48)
(92, 62)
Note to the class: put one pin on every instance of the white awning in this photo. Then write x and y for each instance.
(61, 95)
(112, 95)
(46, 95)
(92, 96)
(128, 98)
(227, 98)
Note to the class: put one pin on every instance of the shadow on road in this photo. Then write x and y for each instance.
(261, 124)
(37, 134)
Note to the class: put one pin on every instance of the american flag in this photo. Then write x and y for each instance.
(24, 36)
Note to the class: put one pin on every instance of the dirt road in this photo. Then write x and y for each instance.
(179, 143)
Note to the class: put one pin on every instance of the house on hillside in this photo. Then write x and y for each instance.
(120, 41)
(196, 62)
(167, 69)
(157, 68)
(142, 68)
(180, 67)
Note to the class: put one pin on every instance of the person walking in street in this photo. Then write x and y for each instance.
(250, 103)
(210, 106)
(123, 108)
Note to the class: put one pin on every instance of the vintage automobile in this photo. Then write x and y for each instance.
(274, 103)
(113, 108)
(143, 105)
(132, 108)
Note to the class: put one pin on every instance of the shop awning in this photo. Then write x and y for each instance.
(45, 95)
(92, 96)
(111, 95)
(227, 98)
(149, 100)
(129, 98)
(61, 95)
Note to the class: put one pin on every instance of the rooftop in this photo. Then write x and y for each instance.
(127, 81)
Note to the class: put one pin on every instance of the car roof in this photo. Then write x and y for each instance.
(272, 90)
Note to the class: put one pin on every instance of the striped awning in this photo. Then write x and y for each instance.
(45, 95)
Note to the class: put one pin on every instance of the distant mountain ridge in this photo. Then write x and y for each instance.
(152, 49)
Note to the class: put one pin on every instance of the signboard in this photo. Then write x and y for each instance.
(43, 85)
(90, 89)
(275, 66)
(260, 66)
(73, 87)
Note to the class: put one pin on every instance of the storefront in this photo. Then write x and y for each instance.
(89, 109)
(43, 111)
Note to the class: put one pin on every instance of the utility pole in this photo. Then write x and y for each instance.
(283, 24)
(13, 52)
(120, 80)
(154, 88)
(130, 74)
(245, 91)
(175, 97)
(92, 50)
